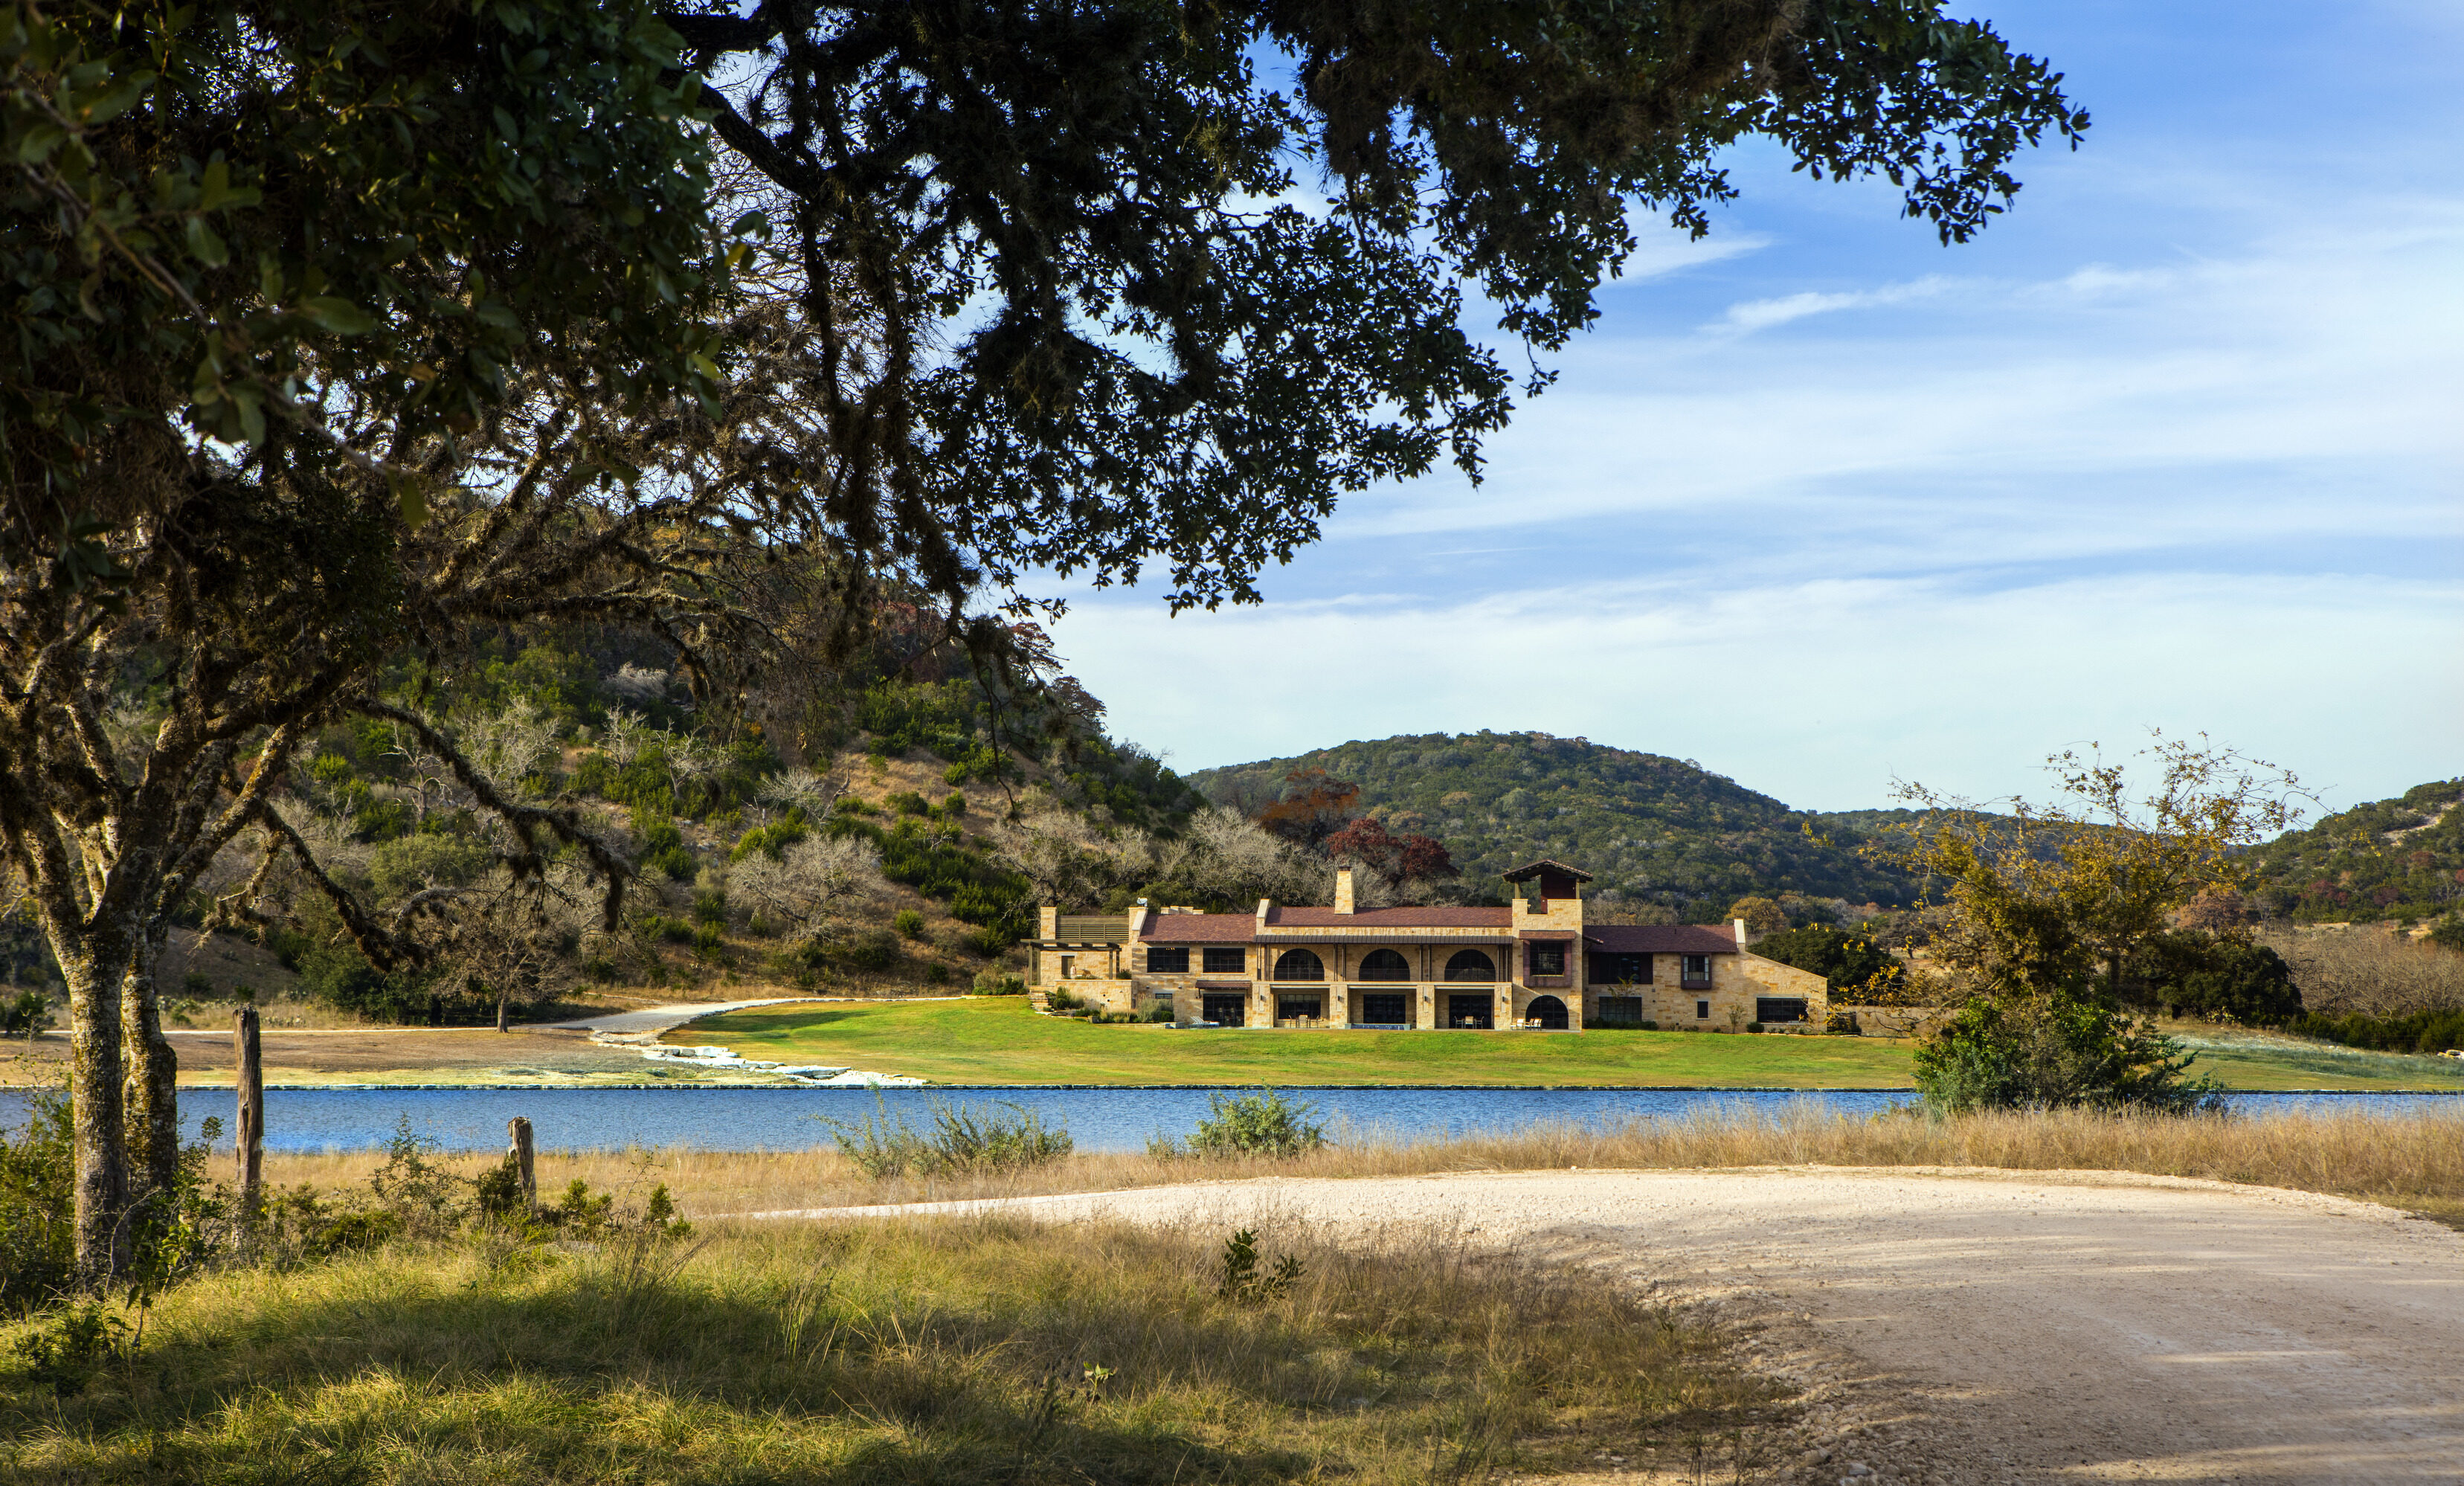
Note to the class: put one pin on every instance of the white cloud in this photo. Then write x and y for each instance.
(1763, 314)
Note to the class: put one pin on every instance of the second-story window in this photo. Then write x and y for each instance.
(1548, 959)
(1232, 961)
(1698, 969)
(1167, 962)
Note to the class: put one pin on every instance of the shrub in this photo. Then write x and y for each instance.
(69, 1353)
(23, 1014)
(1159, 1011)
(909, 922)
(2448, 931)
(1264, 1123)
(2431, 1030)
(874, 949)
(1237, 1279)
(994, 983)
(38, 1257)
(936, 973)
(984, 943)
(1753, 1026)
(2055, 1050)
(906, 802)
(962, 1141)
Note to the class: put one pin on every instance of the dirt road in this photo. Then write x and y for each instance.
(1981, 1327)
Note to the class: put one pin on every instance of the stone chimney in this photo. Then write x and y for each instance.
(1741, 932)
(1343, 889)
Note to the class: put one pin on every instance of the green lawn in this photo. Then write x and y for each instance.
(2259, 1061)
(1000, 1039)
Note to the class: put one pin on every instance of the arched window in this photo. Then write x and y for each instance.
(1300, 965)
(1548, 1012)
(1384, 965)
(1471, 965)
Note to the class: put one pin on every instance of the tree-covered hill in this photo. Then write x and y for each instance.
(1652, 828)
(2390, 858)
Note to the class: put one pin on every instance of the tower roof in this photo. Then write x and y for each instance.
(1547, 867)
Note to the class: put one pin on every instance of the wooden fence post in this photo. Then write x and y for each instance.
(519, 1129)
(250, 1152)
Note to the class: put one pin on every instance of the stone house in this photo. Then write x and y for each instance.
(1533, 964)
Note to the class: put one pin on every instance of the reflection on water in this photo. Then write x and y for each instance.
(787, 1119)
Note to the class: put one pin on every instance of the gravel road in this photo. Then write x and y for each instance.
(1959, 1326)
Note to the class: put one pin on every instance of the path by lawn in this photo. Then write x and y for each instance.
(1000, 1039)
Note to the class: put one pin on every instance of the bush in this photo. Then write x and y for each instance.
(994, 983)
(2433, 1029)
(2055, 1050)
(909, 922)
(37, 1254)
(2217, 978)
(1159, 1011)
(984, 943)
(961, 1142)
(874, 949)
(936, 973)
(1753, 1026)
(23, 1014)
(1264, 1123)
(2449, 932)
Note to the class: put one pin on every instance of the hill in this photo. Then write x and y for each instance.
(2390, 858)
(1652, 828)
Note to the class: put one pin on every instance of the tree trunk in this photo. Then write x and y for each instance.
(95, 1108)
(153, 1099)
(501, 997)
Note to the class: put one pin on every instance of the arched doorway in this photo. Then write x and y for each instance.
(1548, 1011)
(1471, 965)
(1300, 965)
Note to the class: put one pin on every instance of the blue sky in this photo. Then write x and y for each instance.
(1820, 502)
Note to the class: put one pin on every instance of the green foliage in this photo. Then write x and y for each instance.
(23, 1014)
(1851, 964)
(873, 949)
(2431, 1030)
(963, 1140)
(2392, 859)
(2056, 1051)
(1239, 1278)
(908, 923)
(994, 983)
(664, 849)
(69, 1352)
(1264, 1123)
(1650, 828)
(2217, 978)
(772, 841)
(37, 1260)
(402, 866)
(2448, 933)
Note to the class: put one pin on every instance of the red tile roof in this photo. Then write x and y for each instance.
(1660, 939)
(1199, 929)
(1279, 917)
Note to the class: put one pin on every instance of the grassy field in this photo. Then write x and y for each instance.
(1002, 1040)
(991, 1350)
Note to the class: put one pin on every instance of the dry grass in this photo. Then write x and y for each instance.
(2364, 967)
(958, 1352)
(2416, 1163)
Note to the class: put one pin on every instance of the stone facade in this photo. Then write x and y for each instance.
(1531, 965)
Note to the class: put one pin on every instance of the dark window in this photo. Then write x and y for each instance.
(1471, 965)
(1620, 1010)
(1702, 1009)
(1386, 1010)
(1225, 1010)
(1548, 1011)
(1470, 1011)
(1609, 969)
(1167, 962)
(1698, 969)
(1772, 1008)
(1292, 1008)
(1234, 961)
(1548, 959)
(1385, 965)
(1300, 965)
